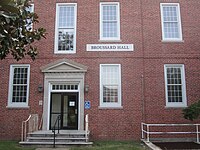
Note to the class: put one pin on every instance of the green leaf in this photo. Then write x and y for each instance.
(5, 2)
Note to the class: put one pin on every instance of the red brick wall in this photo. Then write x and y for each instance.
(141, 26)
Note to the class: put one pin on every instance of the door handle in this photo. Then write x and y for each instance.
(76, 111)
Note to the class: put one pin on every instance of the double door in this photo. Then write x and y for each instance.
(64, 105)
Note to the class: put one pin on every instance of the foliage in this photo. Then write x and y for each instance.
(113, 145)
(12, 145)
(16, 32)
(192, 112)
(100, 145)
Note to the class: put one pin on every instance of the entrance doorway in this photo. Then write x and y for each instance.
(66, 105)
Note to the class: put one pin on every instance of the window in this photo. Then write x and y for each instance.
(171, 22)
(110, 85)
(65, 36)
(29, 22)
(175, 86)
(109, 21)
(64, 87)
(19, 86)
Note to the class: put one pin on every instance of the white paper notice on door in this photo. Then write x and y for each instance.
(71, 103)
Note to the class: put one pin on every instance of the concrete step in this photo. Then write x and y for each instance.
(63, 139)
(69, 134)
(57, 139)
(58, 144)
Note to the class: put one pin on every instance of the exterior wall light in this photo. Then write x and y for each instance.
(86, 88)
(40, 88)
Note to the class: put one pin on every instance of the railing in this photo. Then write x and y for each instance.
(57, 121)
(148, 132)
(32, 121)
(87, 132)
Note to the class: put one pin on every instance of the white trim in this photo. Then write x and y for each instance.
(184, 98)
(118, 21)
(10, 91)
(179, 22)
(56, 28)
(110, 105)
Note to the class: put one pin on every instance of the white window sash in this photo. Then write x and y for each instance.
(178, 21)
(184, 99)
(68, 28)
(10, 91)
(110, 21)
(117, 104)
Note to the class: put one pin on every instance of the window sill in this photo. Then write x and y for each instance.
(175, 107)
(172, 41)
(17, 107)
(109, 107)
(110, 40)
(64, 52)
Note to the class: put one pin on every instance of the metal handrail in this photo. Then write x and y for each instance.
(86, 128)
(54, 129)
(23, 134)
(148, 132)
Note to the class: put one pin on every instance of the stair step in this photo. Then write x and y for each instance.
(57, 139)
(64, 138)
(58, 144)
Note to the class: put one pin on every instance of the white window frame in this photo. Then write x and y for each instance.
(179, 22)
(10, 91)
(184, 98)
(118, 22)
(110, 105)
(56, 51)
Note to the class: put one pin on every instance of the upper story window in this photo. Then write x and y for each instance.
(110, 85)
(175, 88)
(109, 21)
(29, 22)
(19, 86)
(171, 22)
(65, 32)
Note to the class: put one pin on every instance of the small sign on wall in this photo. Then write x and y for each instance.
(71, 103)
(87, 105)
(110, 47)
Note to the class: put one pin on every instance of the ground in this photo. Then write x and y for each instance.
(178, 145)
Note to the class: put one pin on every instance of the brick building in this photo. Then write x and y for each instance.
(122, 62)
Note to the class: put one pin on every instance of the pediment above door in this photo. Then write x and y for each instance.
(64, 65)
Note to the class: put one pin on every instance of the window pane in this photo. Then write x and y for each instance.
(174, 84)
(110, 20)
(110, 94)
(110, 29)
(171, 30)
(110, 84)
(20, 80)
(66, 16)
(109, 13)
(65, 40)
(66, 28)
(170, 13)
(171, 22)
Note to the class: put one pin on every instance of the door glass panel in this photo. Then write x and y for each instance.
(65, 110)
(72, 114)
(55, 107)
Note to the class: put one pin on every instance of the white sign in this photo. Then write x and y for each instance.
(110, 47)
(71, 103)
